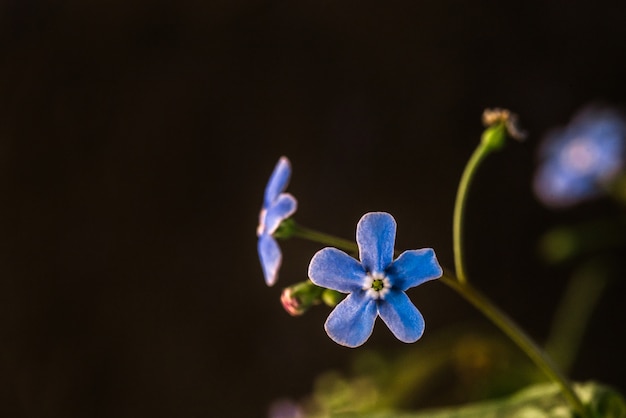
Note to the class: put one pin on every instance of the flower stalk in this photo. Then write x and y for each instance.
(300, 231)
(459, 208)
(500, 124)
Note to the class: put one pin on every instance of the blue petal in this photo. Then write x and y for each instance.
(278, 181)
(334, 269)
(270, 256)
(352, 321)
(282, 208)
(375, 236)
(558, 187)
(413, 268)
(401, 316)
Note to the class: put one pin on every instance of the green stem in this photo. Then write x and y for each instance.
(484, 305)
(316, 236)
(518, 336)
(459, 208)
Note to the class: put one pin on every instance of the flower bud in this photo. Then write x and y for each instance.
(500, 123)
(291, 303)
(332, 297)
(297, 299)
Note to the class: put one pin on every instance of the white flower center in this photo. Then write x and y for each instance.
(376, 285)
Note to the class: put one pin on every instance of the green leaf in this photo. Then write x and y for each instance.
(538, 401)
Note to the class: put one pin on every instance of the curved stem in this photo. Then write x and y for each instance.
(518, 336)
(459, 208)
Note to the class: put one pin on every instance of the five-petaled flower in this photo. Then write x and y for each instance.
(376, 285)
(277, 206)
(579, 160)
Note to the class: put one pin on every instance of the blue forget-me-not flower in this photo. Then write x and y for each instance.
(277, 206)
(578, 161)
(376, 285)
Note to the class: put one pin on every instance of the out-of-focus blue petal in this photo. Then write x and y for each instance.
(278, 180)
(558, 187)
(413, 268)
(282, 208)
(352, 321)
(581, 158)
(270, 256)
(334, 269)
(375, 236)
(401, 316)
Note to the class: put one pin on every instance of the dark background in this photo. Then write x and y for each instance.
(136, 138)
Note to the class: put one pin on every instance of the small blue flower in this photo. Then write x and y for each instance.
(578, 161)
(277, 206)
(375, 285)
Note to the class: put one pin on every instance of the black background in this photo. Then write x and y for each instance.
(136, 138)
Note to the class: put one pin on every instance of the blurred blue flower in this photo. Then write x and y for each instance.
(376, 285)
(580, 160)
(277, 206)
